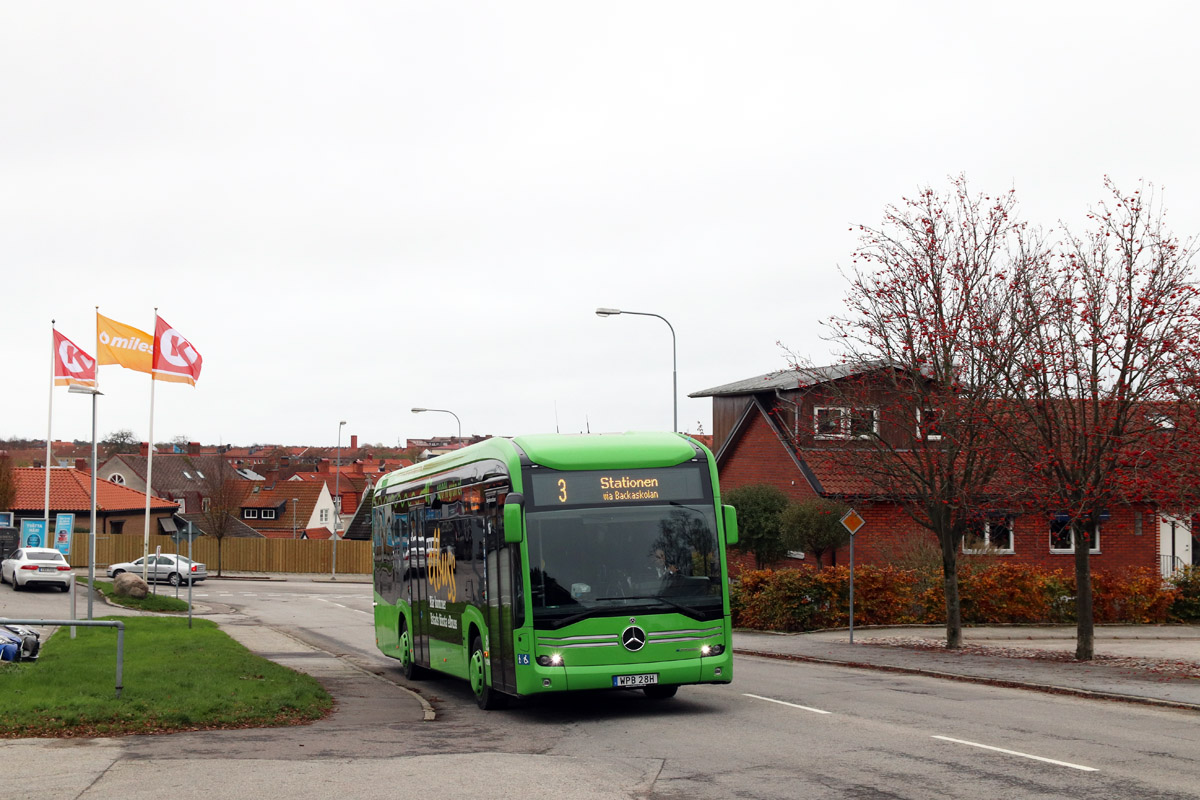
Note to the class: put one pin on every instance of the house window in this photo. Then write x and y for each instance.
(187, 474)
(182, 505)
(117, 478)
(324, 515)
(844, 423)
(927, 424)
(268, 513)
(205, 504)
(989, 535)
(1062, 541)
(116, 526)
(250, 513)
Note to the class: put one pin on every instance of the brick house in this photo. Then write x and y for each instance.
(289, 509)
(791, 429)
(119, 509)
(185, 478)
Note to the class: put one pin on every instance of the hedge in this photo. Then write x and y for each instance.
(805, 599)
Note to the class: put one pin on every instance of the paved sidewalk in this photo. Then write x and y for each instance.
(1152, 664)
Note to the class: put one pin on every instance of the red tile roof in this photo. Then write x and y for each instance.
(71, 490)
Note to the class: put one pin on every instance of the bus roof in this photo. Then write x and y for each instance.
(562, 451)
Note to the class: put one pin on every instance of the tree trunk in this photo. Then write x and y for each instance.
(1085, 628)
(949, 540)
(220, 541)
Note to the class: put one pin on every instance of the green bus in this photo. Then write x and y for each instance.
(556, 563)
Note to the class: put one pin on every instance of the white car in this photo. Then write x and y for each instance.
(32, 565)
(167, 567)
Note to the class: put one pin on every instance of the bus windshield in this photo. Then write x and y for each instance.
(589, 562)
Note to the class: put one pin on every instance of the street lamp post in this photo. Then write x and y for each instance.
(337, 500)
(443, 411)
(612, 312)
(94, 392)
(295, 500)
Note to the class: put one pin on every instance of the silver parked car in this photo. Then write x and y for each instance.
(168, 567)
(32, 565)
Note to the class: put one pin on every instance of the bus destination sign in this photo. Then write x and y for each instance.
(601, 487)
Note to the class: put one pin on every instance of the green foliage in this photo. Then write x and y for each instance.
(175, 678)
(1186, 607)
(759, 507)
(814, 526)
(799, 600)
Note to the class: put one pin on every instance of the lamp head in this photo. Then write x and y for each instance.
(607, 312)
(419, 410)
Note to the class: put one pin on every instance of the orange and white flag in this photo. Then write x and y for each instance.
(72, 365)
(118, 343)
(174, 357)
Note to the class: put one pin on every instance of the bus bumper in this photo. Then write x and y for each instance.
(535, 679)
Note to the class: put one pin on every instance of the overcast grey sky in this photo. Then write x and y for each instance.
(354, 208)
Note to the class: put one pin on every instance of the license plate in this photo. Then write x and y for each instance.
(624, 681)
(47, 569)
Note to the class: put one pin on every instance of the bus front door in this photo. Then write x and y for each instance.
(503, 593)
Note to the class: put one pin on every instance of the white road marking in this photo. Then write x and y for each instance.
(790, 705)
(1016, 753)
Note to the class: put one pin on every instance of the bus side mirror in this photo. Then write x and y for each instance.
(513, 523)
(731, 532)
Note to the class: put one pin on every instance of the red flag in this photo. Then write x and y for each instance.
(72, 365)
(174, 357)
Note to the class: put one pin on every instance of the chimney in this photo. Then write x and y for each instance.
(323, 465)
(193, 448)
(354, 441)
(145, 451)
(81, 464)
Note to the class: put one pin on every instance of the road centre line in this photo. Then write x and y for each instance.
(785, 703)
(1017, 753)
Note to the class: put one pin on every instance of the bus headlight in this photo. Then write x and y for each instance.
(553, 660)
(712, 649)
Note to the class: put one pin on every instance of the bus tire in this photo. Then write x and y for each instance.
(657, 692)
(486, 697)
(408, 664)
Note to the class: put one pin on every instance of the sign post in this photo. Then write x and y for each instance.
(852, 522)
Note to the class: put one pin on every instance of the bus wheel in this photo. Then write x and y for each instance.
(409, 666)
(485, 696)
(657, 692)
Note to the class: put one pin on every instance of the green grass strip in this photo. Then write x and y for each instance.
(161, 602)
(175, 679)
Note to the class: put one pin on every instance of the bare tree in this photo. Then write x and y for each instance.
(120, 441)
(1100, 406)
(222, 502)
(8, 486)
(927, 294)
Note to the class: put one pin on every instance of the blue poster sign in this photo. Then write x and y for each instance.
(63, 525)
(33, 533)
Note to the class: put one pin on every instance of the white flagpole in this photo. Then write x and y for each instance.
(49, 418)
(149, 465)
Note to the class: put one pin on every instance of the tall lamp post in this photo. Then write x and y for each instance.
(443, 411)
(295, 500)
(612, 312)
(337, 500)
(94, 392)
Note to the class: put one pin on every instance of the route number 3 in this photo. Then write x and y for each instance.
(562, 490)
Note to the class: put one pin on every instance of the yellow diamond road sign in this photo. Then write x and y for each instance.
(851, 521)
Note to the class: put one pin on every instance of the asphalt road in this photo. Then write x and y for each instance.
(780, 730)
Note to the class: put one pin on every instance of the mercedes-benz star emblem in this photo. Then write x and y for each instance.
(634, 638)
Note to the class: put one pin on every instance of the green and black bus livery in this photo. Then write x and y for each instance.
(552, 563)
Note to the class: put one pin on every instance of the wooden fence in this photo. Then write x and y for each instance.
(237, 554)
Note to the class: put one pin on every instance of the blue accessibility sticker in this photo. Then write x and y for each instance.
(522, 658)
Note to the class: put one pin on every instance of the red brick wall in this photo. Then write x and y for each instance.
(759, 457)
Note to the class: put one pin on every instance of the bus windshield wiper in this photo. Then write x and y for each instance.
(658, 597)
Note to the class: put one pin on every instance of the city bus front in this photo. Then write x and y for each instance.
(626, 580)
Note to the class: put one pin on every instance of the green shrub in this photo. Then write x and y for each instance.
(1186, 607)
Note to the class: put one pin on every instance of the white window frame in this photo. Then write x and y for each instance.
(1093, 550)
(844, 419)
(987, 538)
(250, 513)
(117, 478)
(922, 434)
(268, 513)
